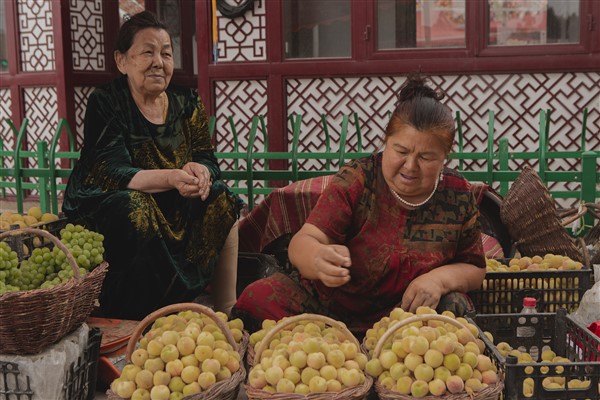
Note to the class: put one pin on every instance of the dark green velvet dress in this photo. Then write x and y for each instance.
(161, 248)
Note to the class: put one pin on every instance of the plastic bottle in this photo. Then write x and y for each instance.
(526, 331)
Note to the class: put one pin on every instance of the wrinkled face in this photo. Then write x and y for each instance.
(148, 63)
(412, 162)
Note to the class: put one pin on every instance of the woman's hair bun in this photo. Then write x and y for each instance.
(416, 86)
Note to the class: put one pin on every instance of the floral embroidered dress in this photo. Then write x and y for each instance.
(161, 247)
(389, 246)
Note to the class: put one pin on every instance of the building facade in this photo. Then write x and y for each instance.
(312, 57)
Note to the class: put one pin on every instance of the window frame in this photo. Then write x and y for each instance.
(584, 45)
(477, 50)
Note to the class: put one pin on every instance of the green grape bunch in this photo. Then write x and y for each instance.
(9, 262)
(85, 245)
(45, 267)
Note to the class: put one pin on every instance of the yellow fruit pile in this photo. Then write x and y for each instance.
(181, 355)
(307, 357)
(429, 357)
(556, 292)
(33, 217)
(557, 381)
(550, 262)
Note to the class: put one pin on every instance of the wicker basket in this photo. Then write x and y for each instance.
(30, 320)
(529, 214)
(492, 392)
(359, 392)
(227, 389)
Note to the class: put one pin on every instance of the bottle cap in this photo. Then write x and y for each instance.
(529, 301)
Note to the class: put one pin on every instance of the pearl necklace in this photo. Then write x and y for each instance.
(415, 205)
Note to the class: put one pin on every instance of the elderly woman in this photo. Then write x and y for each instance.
(395, 229)
(148, 180)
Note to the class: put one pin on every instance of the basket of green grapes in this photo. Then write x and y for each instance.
(46, 295)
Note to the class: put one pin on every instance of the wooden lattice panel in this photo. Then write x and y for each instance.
(371, 98)
(243, 38)
(35, 35)
(242, 100)
(41, 111)
(5, 104)
(82, 94)
(6, 134)
(87, 35)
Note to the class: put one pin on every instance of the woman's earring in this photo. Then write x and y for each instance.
(441, 176)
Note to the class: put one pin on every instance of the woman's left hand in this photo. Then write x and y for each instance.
(204, 179)
(422, 291)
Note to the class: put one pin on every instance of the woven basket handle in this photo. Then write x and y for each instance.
(170, 309)
(301, 317)
(594, 209)
(52, 238)
(573, 215)
(415, 318)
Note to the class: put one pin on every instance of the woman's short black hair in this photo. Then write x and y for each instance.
(136, 23)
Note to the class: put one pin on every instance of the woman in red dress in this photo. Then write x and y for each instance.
(395, 229)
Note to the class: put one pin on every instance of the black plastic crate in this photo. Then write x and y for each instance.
(80, 381)
(564, 336)
(30, 241)
(503, 292)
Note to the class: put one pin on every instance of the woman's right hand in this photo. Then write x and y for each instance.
(186, 184)
(331, 264)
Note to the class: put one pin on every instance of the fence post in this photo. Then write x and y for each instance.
(503, 163)
(460, 140)
(490, 149)
(42, 151)
(358, 132)
(589, 180)
(327, 143)
(584, 128)
(343, 134)
(19, 136)
(295, 139)
(249, 166)
(52, 160)
(543, 150)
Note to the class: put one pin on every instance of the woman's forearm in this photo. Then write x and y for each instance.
(458, 277)
(301, 252)
(151, 181)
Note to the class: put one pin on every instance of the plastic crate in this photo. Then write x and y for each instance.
(564, 336)
(80, 378)
(503, 292)
(16, 243)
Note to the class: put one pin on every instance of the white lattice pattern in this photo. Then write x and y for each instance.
(372, 99)
(87, 35)
(6, 134)
(35, 35)
(5, 104)
(243, 38)
(82, 94)
(41, 111)
(241, 100)
(515, 99)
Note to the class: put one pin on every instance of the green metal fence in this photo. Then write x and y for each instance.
(43, 169)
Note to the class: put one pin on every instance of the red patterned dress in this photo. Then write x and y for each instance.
(389, 246)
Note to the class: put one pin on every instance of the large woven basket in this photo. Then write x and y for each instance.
(492, 392)
(359, 392)
(227, 389)
(30, 320)
(530, 216)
